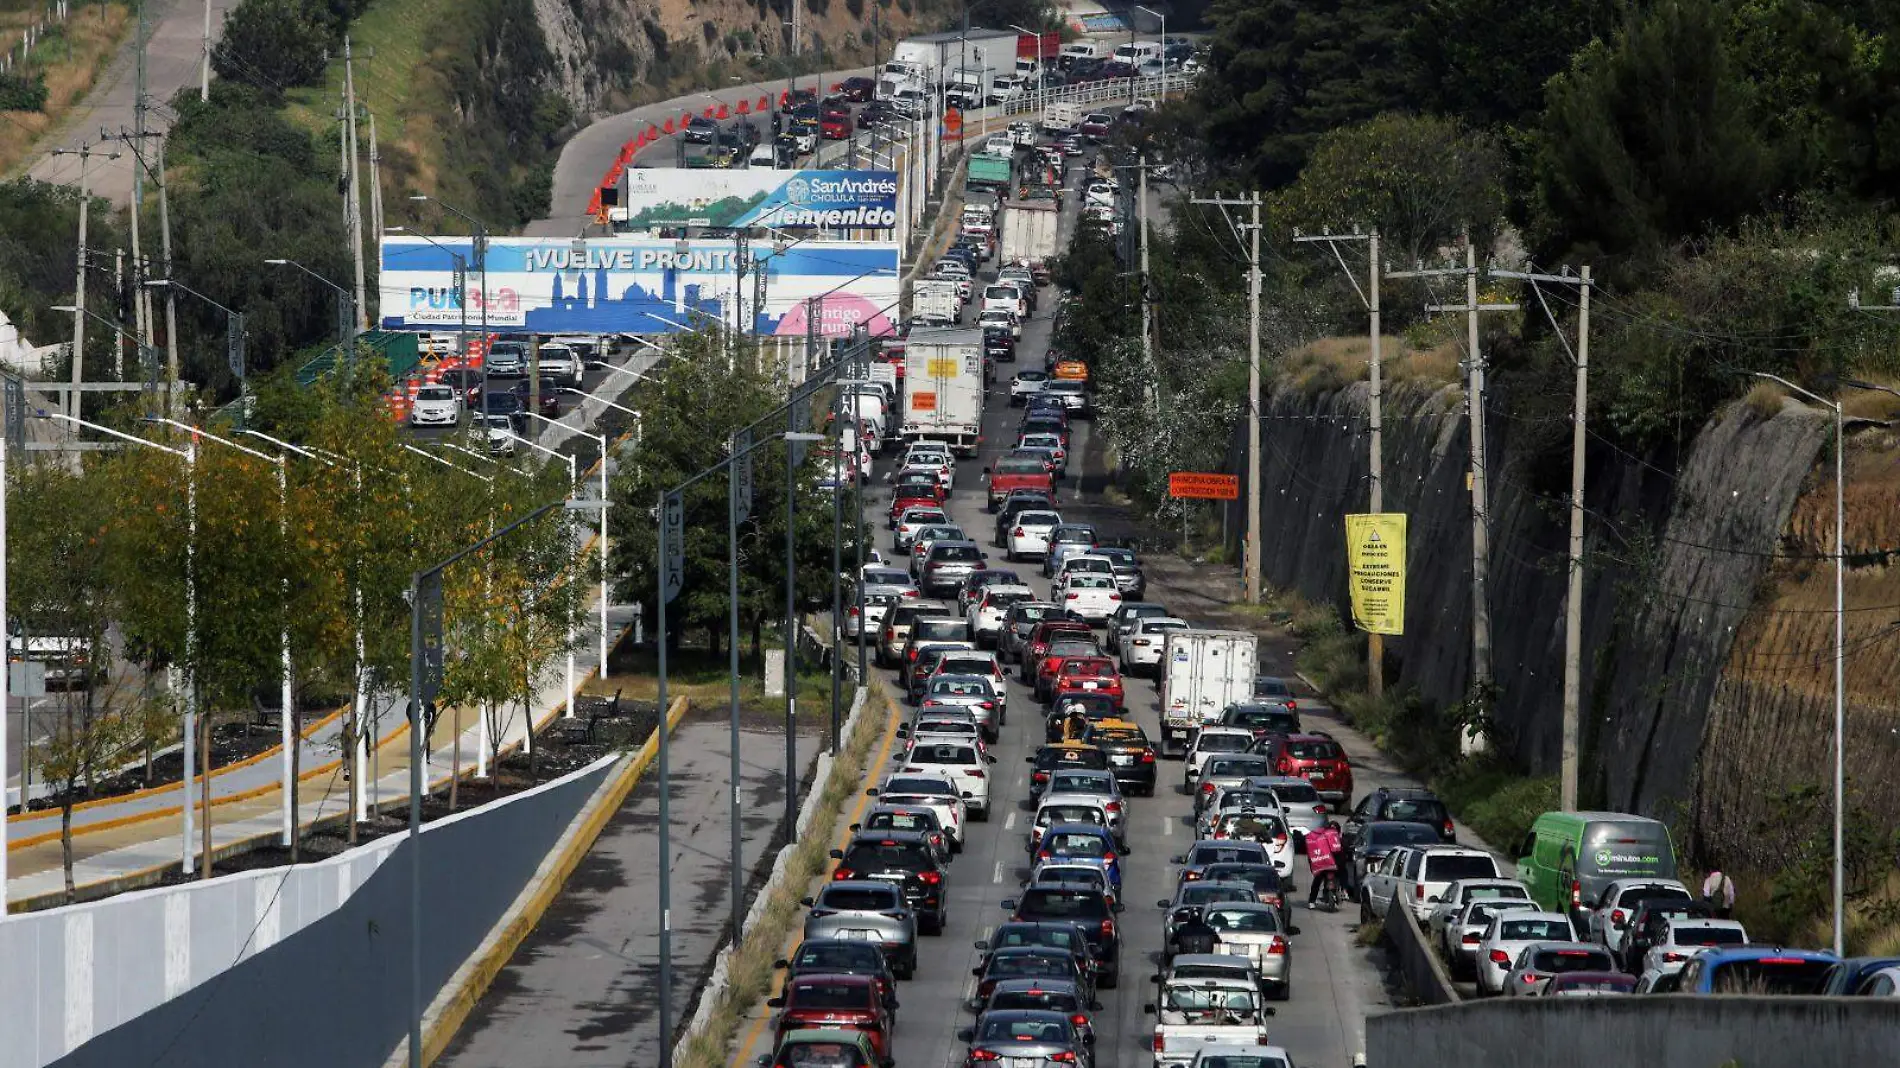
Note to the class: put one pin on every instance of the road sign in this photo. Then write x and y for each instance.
(1375, 555)
(429, 594)
(742, 473)
(673, 528)
(1203, 487)
(26, 678)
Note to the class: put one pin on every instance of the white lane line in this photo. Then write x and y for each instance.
(1009, 822)
(998, 877)
(1167, 826)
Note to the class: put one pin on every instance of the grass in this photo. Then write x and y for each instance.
(750, 977)
(95, 32)
(1765, 400)
(1333, 363)
(698, 674)
(1369, 934)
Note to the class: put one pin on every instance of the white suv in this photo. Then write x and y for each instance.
(1089, 597)
(963, 764)
(436, 406)
(1141, 644)
(1029, 535)
(986, 614)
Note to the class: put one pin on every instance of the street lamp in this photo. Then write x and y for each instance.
(233, 330)
(479, 237)
(672, 508)
(345, 310)
(1840, 661)
(601, 440)
(573, 489)
(1164, 50)
(460, 263)
(639, 420)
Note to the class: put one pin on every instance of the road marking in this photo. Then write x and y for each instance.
(998, 877)
(1167, 826)
(1009, 822)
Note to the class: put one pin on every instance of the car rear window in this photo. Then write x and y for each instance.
(1559, 961)
(1038, 519)
(1264, 719)
(1229, 852)
(1081, 784)
(1396, 834)
(821, 994)
(1051, 1000)
(1256, 921)
(822, 1055)
(1224, 743)
(944, 754)
(1076, 845)
(1026, 465)
(839, 957)
(1637, 893)
(859, 898)
(1444, 869)
(1006, 1029)
(1259, 876)
(922, 820)
(1063, 904)
(1773, 976)
(1544, 930)
(1241, 766)
(955, 553)
(1427, 810)
(877, 856)
(1301, 793)
(1314, 751)
(1626, 849)
(938, 630)
(1710, 936)
(958, 688)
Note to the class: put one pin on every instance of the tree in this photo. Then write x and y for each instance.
(1486, 61)
(273, 44)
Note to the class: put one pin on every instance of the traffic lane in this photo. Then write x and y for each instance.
(593, 377)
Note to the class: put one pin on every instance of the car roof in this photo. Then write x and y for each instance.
(880, 837)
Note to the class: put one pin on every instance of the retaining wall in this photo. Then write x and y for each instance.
(1423, 973)
(1677, 1031)
(227, 972)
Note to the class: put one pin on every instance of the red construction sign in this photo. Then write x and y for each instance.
(1203, 487)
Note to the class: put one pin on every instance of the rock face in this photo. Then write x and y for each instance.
(1674, 551)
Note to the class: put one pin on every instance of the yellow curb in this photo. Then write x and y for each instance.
(496, 954)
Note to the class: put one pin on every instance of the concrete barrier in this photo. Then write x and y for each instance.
(1423, 972)
(1676, 1031)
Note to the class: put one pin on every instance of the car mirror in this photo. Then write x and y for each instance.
(1162, 904)
(775, 1003)
(805, 901)
(1293, 931)
(903, 730)
(836, 854)
(982, 944)
(966, 1035)
(781, 963)
(1177, 860)
(855, 826)
(1117, 907)
(1149, 1008)
(1269, 1011)
(872, 792)
(976, 972)
(1432, 898)
(1009, 903)
(1029, 760)
(989, 757)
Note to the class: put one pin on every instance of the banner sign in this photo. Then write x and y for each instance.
(429, 607)
(1375, 556)
(742, 474)
(673, 531)
(833, 200)
(639, 285)
(1203, 487)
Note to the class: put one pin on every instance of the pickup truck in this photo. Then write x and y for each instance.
(1194, 1013)
(559, 365)
(1013, 473)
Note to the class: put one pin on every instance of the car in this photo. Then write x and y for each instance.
(1260, 720)
(1047, 666)
(1200, 855)
(1316, 758)
(1015, 504)
(863, 910)
(1226, 1055)
(1760, 970)
(917, 819)
(1086, 907)
(1264, 879)
(1884, 983)
(1404, 804)
(1227, 769)
(1606, 917)
(1024, 384)
(1140, 647)
(1507, 935)
(700, 131)
(1091, 782)
(911, 520)
(964, 765)
(1247, 823)
(1047, 995)
(942, 723)
(858, 89)
(1646, 924)
(868, 605)
(1300, 805)
(1081, 675)
(1245, 794)
(1091, 598)
(1066, 935)
(906, 858)
(1540, 962)
(909, 496)
(1046, 963)
(894, 636)
(1051, 442)
(1372, 846)
(1131, 610)
(987, 613)
(831, 1047)
(1047, 631)
(929, 661)
(1589, 985)
(1131, 757)
(546, 404)
(849, 1001)
(1129, 576)
(978, 694)
(1018, 621)
(1085, 844)
(435, 406)
(1465, 928)
(1451, 904)
(1064, 539)
(1685, 937)
(936, 793)
(1061, 754)
(947, 563)
(1073, 395)
(977, 581)
(838, 956)
(1024, 1038)
(1849, 975)
(1206, 742)
(1431, 871)
(1028, 536)
(1261, 933)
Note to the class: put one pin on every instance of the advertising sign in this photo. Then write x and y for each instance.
(656, 196)
(1375, 554)
(640, 286)
(1195, 485)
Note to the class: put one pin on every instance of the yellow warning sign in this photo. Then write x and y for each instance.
(941, 367)
(1375, 555)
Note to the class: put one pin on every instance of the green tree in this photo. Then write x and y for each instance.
(1486, 61)
(273, 44)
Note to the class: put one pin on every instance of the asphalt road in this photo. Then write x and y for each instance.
(1333, 984)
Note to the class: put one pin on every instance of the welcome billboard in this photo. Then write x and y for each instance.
(834, 200)
(638, 285)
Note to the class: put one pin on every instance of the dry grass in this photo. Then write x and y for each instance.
(1333, 363)
(1873, 404)
(1765, 400)
(95, 32)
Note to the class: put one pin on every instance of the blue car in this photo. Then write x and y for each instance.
(1845, 977)
(1082, 844)
(1770, 970)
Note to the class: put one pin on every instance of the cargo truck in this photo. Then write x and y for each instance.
(935, 302)
(1202, 672)
(1029, 231)
(987, 172)
(943, 388)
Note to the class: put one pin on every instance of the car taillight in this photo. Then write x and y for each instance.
(1147, 758)
(1672, 956)
(1469, 940)
(1418, 891)
(910, 593)
(975, 773)
(1070, 597)
(1043, 854)
(1576, 894)
(1113, 806)
(1063, 1057)
(1529, 978)
(1498, 956)
(1319, 810)
(931, 877)
(1448, 828)
(1108, 928)
(853, 611)
(1114, 596)
(1019, 533)
(986, 704)
(1277, 947)
(1207, 787)
(1079, 1020)
(1190, 876)
(1160, 1043)
(1616, 916)
(843, 872)
(1040, 776)
(985, 1055)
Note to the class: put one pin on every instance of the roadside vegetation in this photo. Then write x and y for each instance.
(38, 93)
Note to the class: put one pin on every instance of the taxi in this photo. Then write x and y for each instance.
(1131, 757)
(1070, 370)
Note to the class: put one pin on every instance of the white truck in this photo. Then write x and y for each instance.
(1202, 672)
(935, 302)
(1063, 117)
(943, 388)
(1029, 231)
(1191, 1014)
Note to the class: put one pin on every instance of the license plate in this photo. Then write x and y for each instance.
(1023, 1062)
(859, 934)
(1121, 758)
(889, 877)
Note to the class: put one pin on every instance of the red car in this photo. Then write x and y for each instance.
(1062, 649)
(1045, 632)
(848, 1002)
(1317, 758)
(1016, 472)
(1087, 674)
(835, 129)
(857, 89)
(913, 496)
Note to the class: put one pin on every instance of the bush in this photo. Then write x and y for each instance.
(274, 44)
(20, 92)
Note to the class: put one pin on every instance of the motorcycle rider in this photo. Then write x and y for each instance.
(1322, 847)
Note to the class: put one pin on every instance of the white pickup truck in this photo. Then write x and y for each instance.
(1199, 1012)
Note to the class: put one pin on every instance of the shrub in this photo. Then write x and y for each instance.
(20, 92)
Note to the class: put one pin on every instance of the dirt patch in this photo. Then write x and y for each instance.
(94, 32)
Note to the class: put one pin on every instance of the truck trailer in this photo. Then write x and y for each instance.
(943, 388)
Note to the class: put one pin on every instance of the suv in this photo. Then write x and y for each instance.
(866, 910)
(1087, 907)
(559, 363)
(1018, 621)
(1407, 804)
(905, 858)
(895, 634)
(507, 358)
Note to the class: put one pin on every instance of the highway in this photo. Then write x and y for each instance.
(1334, 984)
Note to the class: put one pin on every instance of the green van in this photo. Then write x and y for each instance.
(1569, 857)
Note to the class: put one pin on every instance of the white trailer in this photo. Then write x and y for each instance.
(1202, 672)
(935, 302)
(1029, 231)
(943, 388)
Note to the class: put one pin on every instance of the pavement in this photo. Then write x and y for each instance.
(173, 60)
(579, 992)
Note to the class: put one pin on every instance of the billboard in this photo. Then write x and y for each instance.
(834, 200)
(638, 285)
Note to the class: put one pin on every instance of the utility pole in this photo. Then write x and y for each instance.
(171, 304)
(1472, 741)
(1147, 324)
(204, 71)
(375, 200)
(1375, 460)
(84, 152)
(1573, 594)
(144, 327)
(1252, 569)
(355, 176)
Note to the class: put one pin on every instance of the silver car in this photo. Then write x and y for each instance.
(870, 606)
(1540, 962)
(978, 693)
(865, 911)
(1300, 804)
(1223, 769)
(914, 818)
(1026, 1038)
(1507, 935)
(1466, 929)
(1255, 931)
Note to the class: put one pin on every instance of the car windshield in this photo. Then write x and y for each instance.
(1256, 921)
(918, 516)
(1444, 869)
(1090, 582)
(819, 994)
(1473, 893)
(1559, 961)
(859, 899)
(1481, 913)
(1211, 893)
(1063, 904)
(1223, 743)
(1042, 1030)
(1024, 465)
(1255, 718)
(1076, 845)
(1544, 930)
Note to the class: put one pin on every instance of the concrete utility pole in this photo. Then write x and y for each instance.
(1473, 742)
(1147, 303)
(1252, 568)
(1375, 643)
(1573, 595)
(204, 71)
(84, 152)
(376, 203)
(171, 294)
(355, 184)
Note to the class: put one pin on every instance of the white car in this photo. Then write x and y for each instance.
(932, 457)
(934, 792)
(1430, 871)
(1028, 536)
(1210, 740)
(436, 406)
(1070, 807)
(1685, 937)
(1052, 442)
(1455, 897)
(962, 764)
(986, 613)
(1102, 194)
(1508, 935)
(1465, 929)
(1082, 564)
(912, 521)
(1025, 385)
(1140, 646)
(1089, 597)
(1607, 919)
(999, 318)
(1222, 1055)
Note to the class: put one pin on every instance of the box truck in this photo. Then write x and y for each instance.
(943, 388)
(1202, 672)
(935, 302)
(1029, 231)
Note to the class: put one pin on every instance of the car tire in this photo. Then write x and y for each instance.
(1110, 980)
(909, 971)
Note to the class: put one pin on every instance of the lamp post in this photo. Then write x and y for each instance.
(148, 355)
(460, 263)
(289, 737)
(1840, 661)
(479, 237)
(601, 440)
(233, 330)
(1163, 19)
(346, 306)
(189, 454)
(671, 577)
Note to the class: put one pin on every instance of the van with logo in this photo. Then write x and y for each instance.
(1567, 858)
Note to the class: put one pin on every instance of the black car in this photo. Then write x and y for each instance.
(1262, 719)
(1053, 756)
(1085, 906)
(904, 856)
(838, 956)
(1045, 963)
(1646, 925)
(1018, 621)
(1268, 888)
(466, 381)
(1376, 841)
(550, 398)
(510, 404)
(1405, 804)
(857, 88)
(1055, 934)
(999, 343)
(701, 131)
(1018, 502)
